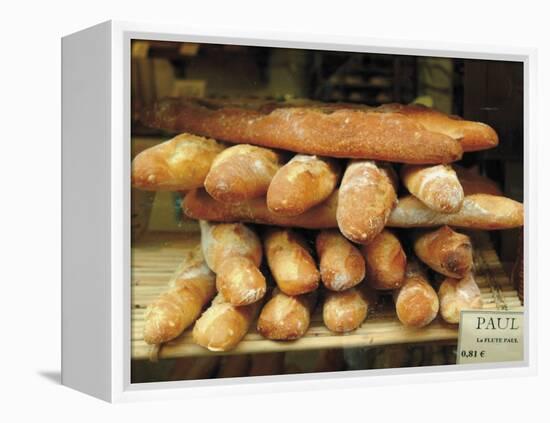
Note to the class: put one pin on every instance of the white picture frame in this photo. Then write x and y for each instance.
(96, 212)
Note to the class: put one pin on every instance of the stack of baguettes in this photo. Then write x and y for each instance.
(331, 168)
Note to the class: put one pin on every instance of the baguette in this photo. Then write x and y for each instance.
(242, 172)
(456, 295)
(179, 164)
(192, 286)
(234, 252)
(222, 326)
(301, 184)
(290, 262)
(479, 211)
(416, 302)
(341, 264)
(365, 200)
(474, 183)
(286, 317)
(333, 130)
(437, 186)
(473, 136)
(385, 261)
(445, 251)
(240, 281)
(346, 310)
(222, 241)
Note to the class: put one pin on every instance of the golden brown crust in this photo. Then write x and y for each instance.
(192, 286)
(240, 281)
(473, 136)
(341, 264)
(386, 261)
(179, 164)
(331, 130)
(445, 251)
(225, 240)
(479, 211)
(456, 295)
(474, 183)
(437, 186)
(365, 201)
(346, 310)
(286, 317)
(242, 172)
(222, 326)
(290, 262)
(301, 184)
(416, 302)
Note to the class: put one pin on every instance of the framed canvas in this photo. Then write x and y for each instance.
(405, 260)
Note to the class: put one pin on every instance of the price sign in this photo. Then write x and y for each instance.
(490, 336)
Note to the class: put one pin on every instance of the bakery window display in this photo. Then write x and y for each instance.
(328, 229)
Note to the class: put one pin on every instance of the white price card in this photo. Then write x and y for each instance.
(490, 336)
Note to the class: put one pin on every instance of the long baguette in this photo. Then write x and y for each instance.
(445, 251)
(222, 326)
(456, 295)
(301, 184)
(331, 130)
(286, 317)
(290, 262)
(179, 164)
(365, 200)
(242, 172)
(437, 186)
(479, 211)
(385, 261)
(192, 286)
(341, 264)
(346, 310)
(416, 302)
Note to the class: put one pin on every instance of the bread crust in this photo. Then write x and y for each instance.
(416, 302)
(290, 262)
(445, 251)
(301, 184)
(333, 130)
(179, 164)
(365, 200)
(286, 317)
(456, 295)
(479, 211)
(436, 186)
(385, 261)
(240, 281)
(341, 264)
(242, 172)
(345, 311)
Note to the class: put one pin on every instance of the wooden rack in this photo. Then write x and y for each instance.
(156, 255)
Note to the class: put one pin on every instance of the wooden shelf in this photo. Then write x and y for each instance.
(156, 255)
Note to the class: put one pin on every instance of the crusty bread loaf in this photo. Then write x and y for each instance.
(301, 184)
(197, 204)
(474, 183)
(286, 317)
(222, 241)
(456, 295)
(240, 281)
(445, 251)
(290, 262)
(192, 287)
(473, 136)
(242, 172)
(385, 261)
(346, 310)
(179, 164)
(479, 211)
(222, 326)
(365, 200)
(437, 186)
(340, 262)
(416, 302)
(333, 130)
